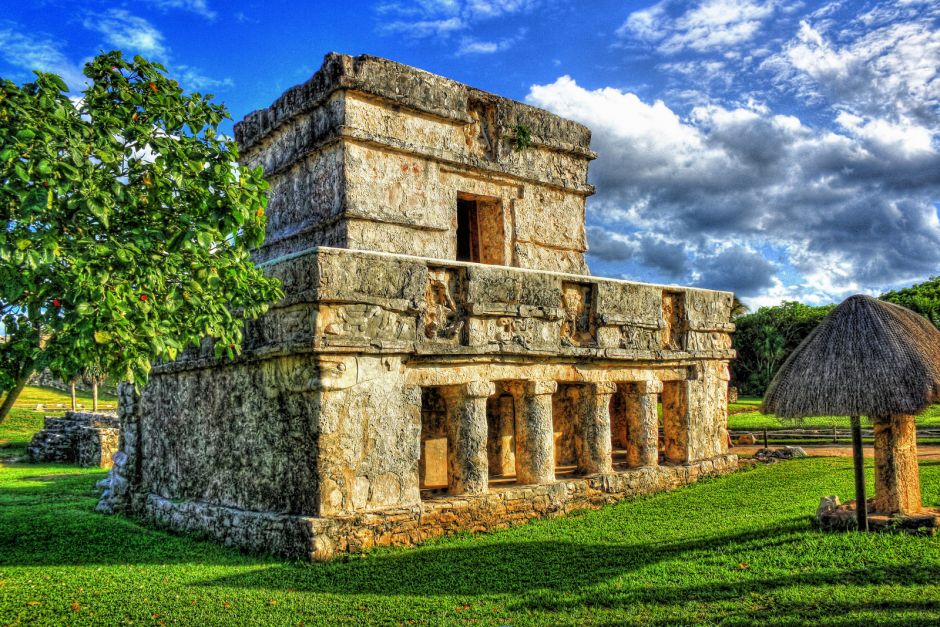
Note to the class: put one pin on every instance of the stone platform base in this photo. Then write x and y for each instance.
(834, 516)
(308, 538)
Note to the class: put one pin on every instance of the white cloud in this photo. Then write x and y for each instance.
(426, 28)
(128, 32)
(707, 26)
(484, 9)
(135, 35)
(193, 79)
(199, 7)
(38, 52)
(442, 18)
(470, 45)
(850, 210)
(889, 70)
(884, 137)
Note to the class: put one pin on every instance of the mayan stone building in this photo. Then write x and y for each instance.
(441, 360)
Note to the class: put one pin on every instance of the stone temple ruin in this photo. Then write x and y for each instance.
(441, 360)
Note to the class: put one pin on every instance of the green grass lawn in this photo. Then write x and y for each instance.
(24, 420)
(33, 395)
(735, 550)
(745, 414)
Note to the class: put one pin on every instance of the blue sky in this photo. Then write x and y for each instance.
(784, 150)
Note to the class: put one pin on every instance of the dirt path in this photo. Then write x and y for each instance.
(835, 450)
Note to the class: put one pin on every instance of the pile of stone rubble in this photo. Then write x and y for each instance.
(770, 455)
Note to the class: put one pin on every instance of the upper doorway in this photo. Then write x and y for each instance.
(480, 230)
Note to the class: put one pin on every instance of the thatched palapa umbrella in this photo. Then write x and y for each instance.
(867, 358)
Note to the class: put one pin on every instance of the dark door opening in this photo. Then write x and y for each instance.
(468, 231)
(480, 230)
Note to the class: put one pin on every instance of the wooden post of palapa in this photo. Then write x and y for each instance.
(861, 505)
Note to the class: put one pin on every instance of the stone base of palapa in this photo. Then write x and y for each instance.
(835, 516)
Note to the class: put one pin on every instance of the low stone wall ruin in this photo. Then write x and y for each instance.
(87, 439)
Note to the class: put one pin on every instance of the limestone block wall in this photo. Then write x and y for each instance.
(309, 538)
(369, 443)
(242, 435)
(341, 299)
(381, 381)
(403, 186)
(357, 160)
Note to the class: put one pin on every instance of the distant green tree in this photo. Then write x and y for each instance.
(764, 339)
(738, 308)
(923, 298)
(127, 226)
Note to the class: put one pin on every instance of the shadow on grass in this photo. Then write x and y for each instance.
(811, 595)
(53, 524)
(47, 518)
(494, 566)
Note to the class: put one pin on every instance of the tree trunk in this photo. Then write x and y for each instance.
(72, 390)
(94, 395)
(13, 394)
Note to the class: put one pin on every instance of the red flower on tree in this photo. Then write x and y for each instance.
(143, 297)
(56, 302)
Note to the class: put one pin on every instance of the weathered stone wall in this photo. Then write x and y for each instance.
(122, 486)
(356, 162)
(403, 185)
(242, 435)
(82, 438)
(306, 203)
(323, 538)
(381, 374)
(369, 444)
(336, 431)
(380, 302)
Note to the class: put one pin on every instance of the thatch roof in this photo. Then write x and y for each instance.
(866, 358)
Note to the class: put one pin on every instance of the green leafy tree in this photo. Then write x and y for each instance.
(128, 225)
(923, 298)
(764, 339)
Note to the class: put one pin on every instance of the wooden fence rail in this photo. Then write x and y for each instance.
(821, 435)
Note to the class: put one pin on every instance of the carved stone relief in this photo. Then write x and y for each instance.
(673, 335)
(443, 317)
(578, 327)
(364, 323)
(638, 338)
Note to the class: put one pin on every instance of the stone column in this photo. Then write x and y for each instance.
(643, 424)
(593, 439)
(535, 439)
(897, 480)
(466, 425)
